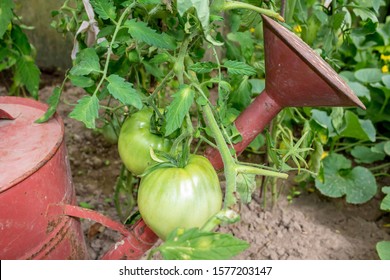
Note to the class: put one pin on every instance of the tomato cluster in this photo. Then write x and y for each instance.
(135, 141)
(174, 197)
(169, 197)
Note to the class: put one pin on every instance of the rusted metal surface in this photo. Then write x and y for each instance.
(38, 216)
(5, 115)
(296, 76)
(139, 240)
(34, 173)
(136, 241)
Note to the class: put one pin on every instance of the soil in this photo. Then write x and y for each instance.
(310, 226)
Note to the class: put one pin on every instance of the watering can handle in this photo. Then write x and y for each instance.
(137, 240)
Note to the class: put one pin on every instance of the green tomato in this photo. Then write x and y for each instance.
(174, 197)
(135, 141)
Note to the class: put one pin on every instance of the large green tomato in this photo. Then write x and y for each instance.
(135, 140)
(173, 197)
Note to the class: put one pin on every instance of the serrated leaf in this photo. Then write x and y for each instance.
(365, 14)
(81, 81)
(160, 58)
(28, 74)
(53, 102)
(179, 108)
(123, 91)
(86, 111)
(20, 40)
(104, 8)
(194, 244)
(203, 67)
(87, 61)
(337, 20)
(239, 68)
(6, 15)
(246, 185)
(241, 95)
(201, 7)
(140, 31)
(7, 58)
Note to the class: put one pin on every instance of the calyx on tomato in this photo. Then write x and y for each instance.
(135, 140)
(179, 197)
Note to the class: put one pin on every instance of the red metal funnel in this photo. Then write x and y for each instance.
(296, 76)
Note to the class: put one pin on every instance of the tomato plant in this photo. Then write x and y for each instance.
(17, 54)
(136, 139)
(179, 197)
(175, 55)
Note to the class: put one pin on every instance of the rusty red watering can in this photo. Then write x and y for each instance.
(296, 76)
(37, 197)
(37, 211)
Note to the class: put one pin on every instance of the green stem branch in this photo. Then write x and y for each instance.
(231, 5)
(109, 50)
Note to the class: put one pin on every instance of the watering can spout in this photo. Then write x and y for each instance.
(295, 76)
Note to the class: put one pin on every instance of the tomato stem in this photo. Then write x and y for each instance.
(231, 5)
(258, 171)
(228, 162)
(231, 168)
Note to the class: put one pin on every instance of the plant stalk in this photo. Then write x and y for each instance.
(231, 5)
(228, 162)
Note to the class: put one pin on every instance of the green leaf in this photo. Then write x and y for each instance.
(385, 204)
(8, 58)
(369, 75)
(194, 244)
(53, 102)
(140, 31)
(337, 115)
(179, 108)
(239, 68)
(81, 81)
(246, 42)
(87, 61)
(322, 119)
(365, 14)
(203, 67)
(241, 96)
(364, 154)
(86, 110)
(357, 184)
(27, 73)
(362, 185)
(6, 15)
(383, 249)
(360, 90)
(201, 7)
(246, 185)
(386, 80)
(20, 40)
(357, 128)
(258, 85)
(337, 20)
(123, 91)
(386, 148)
(104, 8)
